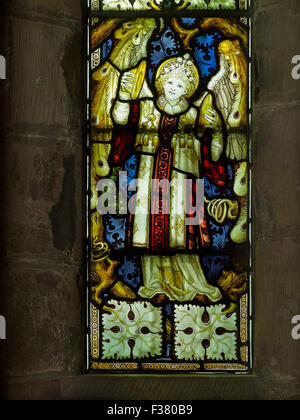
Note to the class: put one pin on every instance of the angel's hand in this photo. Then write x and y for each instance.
(211, 116)
(126, 86)
(217, 146)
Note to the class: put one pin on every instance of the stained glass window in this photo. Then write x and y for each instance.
(169, 181)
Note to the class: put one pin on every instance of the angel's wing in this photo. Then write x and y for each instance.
(230, 88)
(129, 47)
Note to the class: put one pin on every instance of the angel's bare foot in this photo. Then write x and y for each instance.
(159, 299)
(203, 299)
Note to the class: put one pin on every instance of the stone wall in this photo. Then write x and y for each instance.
(42, 213)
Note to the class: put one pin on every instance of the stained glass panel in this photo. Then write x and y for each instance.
(169, 273)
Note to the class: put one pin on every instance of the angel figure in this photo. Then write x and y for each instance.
(177, 139)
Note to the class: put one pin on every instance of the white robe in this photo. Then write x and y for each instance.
(180, 276)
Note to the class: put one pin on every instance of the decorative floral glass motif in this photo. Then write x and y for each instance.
(169, 275)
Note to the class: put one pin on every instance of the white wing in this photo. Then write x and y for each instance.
(230, 88)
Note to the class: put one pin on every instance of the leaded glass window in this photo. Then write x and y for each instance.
(169, 176)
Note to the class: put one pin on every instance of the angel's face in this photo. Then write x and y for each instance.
(174, 89)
